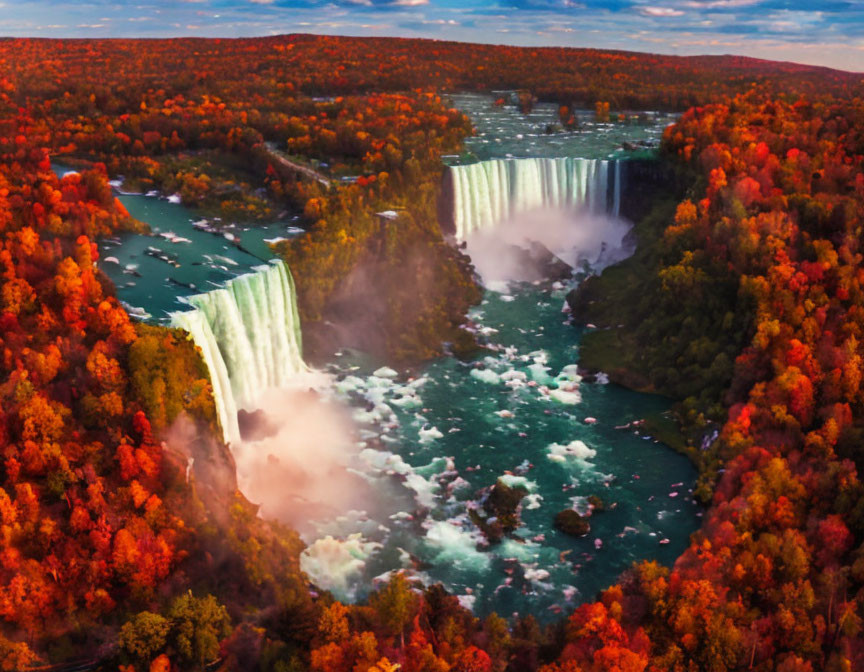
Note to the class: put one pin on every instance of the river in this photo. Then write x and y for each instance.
(431, 445)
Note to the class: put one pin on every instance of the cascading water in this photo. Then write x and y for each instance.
(249, 335)
(489, 192)
(392, 501)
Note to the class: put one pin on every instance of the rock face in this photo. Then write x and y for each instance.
(549, 265)
(209, 464)
(404, 293)
(255, 425)
(577, 301)
(538, 263)
(570, 522)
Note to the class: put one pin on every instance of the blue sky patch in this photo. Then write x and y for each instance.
(829, 32)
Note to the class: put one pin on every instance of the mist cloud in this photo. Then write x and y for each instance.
(574, 236)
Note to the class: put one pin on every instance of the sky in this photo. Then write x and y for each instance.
(819, 32)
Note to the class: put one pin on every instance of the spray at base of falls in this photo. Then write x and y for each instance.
(296, 468)
(249, 335)
(570, 206)
(489, 192)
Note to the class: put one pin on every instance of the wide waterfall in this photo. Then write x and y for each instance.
(249, 335)
(490, 192)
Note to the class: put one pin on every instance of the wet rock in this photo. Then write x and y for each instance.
(500, 512)
(208, 461)
(545, 264)
(570, 522)
(255, 425)
(596, 503)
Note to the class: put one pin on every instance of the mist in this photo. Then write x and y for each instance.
(575, 236)
(298, 472)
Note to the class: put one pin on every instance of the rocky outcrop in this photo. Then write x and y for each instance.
(571, 522)
(499, 516)
(546, 264)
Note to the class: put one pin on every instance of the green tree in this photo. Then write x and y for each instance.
(497, 640)
(144, 635)
(197, 625)
(395, 605)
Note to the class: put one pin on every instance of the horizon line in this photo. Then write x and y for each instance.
(431, 39)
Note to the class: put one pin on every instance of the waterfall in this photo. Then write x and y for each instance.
(489, 192)
(249, 335)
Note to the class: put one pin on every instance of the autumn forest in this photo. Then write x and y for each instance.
(125, 541)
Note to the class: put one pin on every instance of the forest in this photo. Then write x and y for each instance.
(210, 119)
(115, 552)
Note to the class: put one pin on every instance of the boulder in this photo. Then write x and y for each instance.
(596, 503)
(501, 508)
(570, 522)
(544, 263)
(255, 425)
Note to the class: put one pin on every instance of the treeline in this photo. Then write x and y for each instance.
(86, 515)
(316, 65)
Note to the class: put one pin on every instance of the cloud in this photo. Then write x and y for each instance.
(561, 5)
(660, 11)
(720, 4)
(384, 4)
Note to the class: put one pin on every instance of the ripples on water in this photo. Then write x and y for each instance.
(504, 132)
(518, 413)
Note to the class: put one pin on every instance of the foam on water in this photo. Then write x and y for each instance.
(337, 565)
(513, 481)
(454, 545)
(486, 376)
(512, 427)
(576, 450)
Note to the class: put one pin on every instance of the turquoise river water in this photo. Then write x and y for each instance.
(432, 444)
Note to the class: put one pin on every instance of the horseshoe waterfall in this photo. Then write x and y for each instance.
(489, 192)
(249, 335)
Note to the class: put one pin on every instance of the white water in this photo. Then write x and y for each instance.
(249, 335)
(490, 192)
